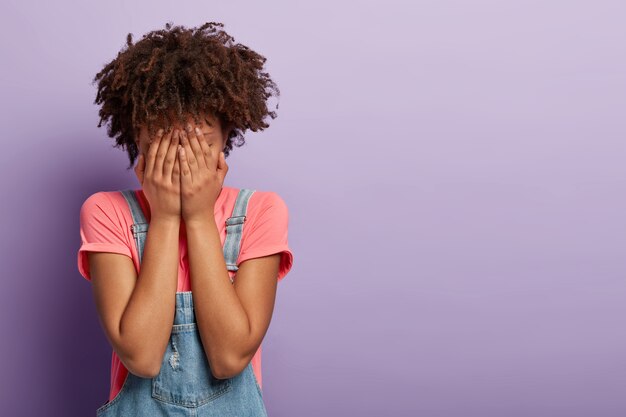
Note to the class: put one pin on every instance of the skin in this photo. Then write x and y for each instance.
(137, 312)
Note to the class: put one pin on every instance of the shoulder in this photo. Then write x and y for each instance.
(262, 201)
(97, 200)
(264, 198)
(267, 214)
(103, 202)
(265, 209)
(266, 230)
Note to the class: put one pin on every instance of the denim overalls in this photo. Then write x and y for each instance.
(185, 385)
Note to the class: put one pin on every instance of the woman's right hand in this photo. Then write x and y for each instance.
(158, 173)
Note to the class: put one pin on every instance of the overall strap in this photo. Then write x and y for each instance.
(140, 225)
(234, 229)
(135, 207)
(234, 225)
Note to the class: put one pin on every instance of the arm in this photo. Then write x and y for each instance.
(232, 318)
(137, 313)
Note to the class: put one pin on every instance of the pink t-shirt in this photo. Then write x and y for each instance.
(105, 221)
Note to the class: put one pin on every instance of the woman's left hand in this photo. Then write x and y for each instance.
(202, 172)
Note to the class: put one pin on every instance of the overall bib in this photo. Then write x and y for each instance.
(185, 385)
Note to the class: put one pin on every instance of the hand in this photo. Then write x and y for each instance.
(203, 169)
(159, 175)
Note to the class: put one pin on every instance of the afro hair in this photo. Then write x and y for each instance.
(178, 72)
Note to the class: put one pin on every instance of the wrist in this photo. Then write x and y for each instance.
(205, 220)
(165, 218)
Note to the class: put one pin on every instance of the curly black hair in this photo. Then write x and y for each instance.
(179, 72)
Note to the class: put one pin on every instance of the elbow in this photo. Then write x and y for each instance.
(149, 371)
(226, 367)
(142, 367)
(141, 359)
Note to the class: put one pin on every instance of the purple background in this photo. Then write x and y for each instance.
(455, 177)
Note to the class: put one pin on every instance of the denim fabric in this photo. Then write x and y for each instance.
(185, 385)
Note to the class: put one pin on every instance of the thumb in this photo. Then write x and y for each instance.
(221, 162)
(140, 168)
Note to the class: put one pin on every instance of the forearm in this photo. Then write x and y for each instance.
(222, 321)
(146, 324)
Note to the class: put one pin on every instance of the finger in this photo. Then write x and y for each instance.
(161, 153)
(170, 158)
(176, 168)
(152, 150)
(194, 141)
(210, 159)
(185, 170)
(222, 168)
(221, 161)
(192, 162)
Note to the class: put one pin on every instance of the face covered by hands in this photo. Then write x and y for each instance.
(198, 163)
(203, 169)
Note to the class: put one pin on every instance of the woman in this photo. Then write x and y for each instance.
(184, 270)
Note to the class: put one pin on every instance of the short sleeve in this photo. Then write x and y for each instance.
(101, 230)
(267, 232)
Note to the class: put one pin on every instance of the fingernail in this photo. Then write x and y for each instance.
(189, 127)
(198, 131)
(160, 132)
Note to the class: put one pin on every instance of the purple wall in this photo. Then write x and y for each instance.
(456, 182)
